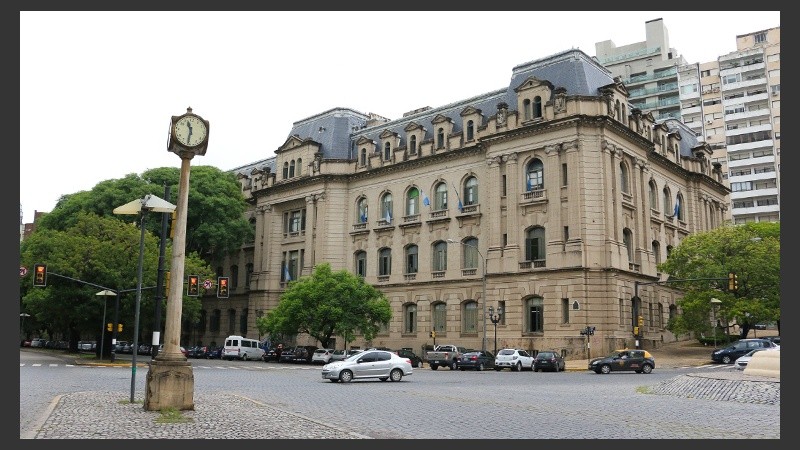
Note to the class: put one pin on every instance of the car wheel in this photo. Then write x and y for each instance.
(518, 367)
(433, 367)
(726, 359)
(453, 365)
(605, 368)
(346, 376)
(396, 375)
(531, 367)
(498, 369)
(480, 367)
(647, 368)
(244, 357)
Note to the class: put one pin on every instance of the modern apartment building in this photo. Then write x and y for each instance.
(732, 103)
(548, 199)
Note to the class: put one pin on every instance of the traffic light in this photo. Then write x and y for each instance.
(194, 286)
(733, 281)
(119, 328)
(40, 275)
(433, 334)
(222, 287)
(636, 331)
(640, 321)
(109, 326)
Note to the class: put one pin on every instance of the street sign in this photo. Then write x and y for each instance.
(207, 284)
(23, 271)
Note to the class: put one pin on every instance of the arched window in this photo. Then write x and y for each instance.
(439, 318)
(412, 259)
(385, 261)
(667, 198)
(623, 178)
(471, 191)
(537, 107)
(386, 207)
(440, 197)
(361, 263)
(470, 316)
(291, 169)
(234, 276)
(526, 108)
(412, 202)
(440, 138)
(534, 315)
(657, 251)
(243, 322)
(299, 166)
(248, 268)
(387, 151)
(362, 216)
(439, 259)
(619, 111)
(470, 130)
(535, 177)
(534, 244)
(627, 239)
(653, 195)
(471, 254)
(413, 145)
(410, 318)
(285, 170)
(363, 157)
(669, 250)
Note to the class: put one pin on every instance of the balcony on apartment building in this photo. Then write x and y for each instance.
(660, 75)
(638, 54)
(648, 92)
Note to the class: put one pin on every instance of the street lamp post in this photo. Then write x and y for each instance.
(714, 303)
(495, 318)
(451, 241)
(106, 293)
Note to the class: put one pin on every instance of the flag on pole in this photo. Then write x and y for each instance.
(286, 275)
(388, 215)
(364, 215)
(529, 183)
(460, 205)
(677, 206)
(425, 200)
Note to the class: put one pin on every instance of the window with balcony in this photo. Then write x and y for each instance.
(386, 208)
(439, 259)
(471, 191)
(385, 261)
(535, 244)
(361, 263)
(534, 315)
(412, 259)
(535, 175)
(440, 197)
(412, 202)
(361, 210)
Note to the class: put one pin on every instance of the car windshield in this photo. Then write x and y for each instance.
(546, 355)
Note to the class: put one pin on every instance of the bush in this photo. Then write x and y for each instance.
(721, 339)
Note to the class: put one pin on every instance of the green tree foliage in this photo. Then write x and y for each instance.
(328, 303)
(103, 251)
(215, 223)
(752, 252)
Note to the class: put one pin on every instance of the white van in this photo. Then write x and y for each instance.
(238, 347)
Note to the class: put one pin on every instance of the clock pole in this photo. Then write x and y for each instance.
(170, 380)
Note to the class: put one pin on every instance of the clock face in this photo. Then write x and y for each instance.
(190, 131)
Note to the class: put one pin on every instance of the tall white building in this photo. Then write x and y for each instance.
(732, 103)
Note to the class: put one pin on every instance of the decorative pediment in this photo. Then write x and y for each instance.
(470, 110)
(441, 118)
(387, 134)
(413, 126)
(365, 141)
(294, 141)
(532, 83)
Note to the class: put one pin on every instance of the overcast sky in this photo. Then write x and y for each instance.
(97, 89)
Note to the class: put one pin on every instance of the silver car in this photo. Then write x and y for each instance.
(378, 364)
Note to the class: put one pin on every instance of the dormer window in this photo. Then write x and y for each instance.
(537, 107)
(387, 151)
(440, 138)
(291, 169)
(470, 130)
(526, 107)
(363, 157)
(285, 170)
(413, 145)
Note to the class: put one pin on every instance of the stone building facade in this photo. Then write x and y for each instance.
(548, 198)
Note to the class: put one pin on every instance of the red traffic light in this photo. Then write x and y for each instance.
(222, 287)
(40, 275)
(194, 286)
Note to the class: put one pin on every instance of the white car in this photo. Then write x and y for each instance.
(379, 364)
(322, 356)
(741, 362)
(515, 359)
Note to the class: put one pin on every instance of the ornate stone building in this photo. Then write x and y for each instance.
(548, 199)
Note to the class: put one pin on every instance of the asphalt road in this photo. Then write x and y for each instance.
(430, 404)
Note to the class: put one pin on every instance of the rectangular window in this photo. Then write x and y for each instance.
(502, 305)
(564, 174)
(440, 318)
(621, 312)
(504, 186)
(566, 234)
(564, 310)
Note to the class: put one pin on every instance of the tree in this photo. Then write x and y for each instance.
(215, 223)
(328, 303)
(103, 251)
(752, 252)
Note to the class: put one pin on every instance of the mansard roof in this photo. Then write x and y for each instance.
(688, 140)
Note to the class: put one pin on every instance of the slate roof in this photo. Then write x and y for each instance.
(338, 129)
(688, 138)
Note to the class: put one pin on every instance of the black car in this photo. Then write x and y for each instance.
(476, 360)
(213, 353)
(287, 355)
(775, 339)
(303, 353)
(639, 361)
(405, 353)
(549, 360)
(731, 353)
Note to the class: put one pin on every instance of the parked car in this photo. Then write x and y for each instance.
(338, 355)
(476, 360)
(183, 350)
(321, 356)
(416, 361)
(85, 346)
(775, 339)
(287, 355)
(549, 360)
(739, 348)
(515, 359)
(381, 364)
(213, 353)
(741, 362)
(639, 361)
(303, 353)
(196, 352)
